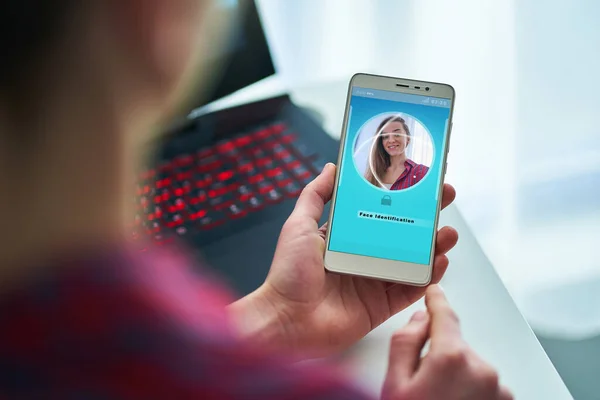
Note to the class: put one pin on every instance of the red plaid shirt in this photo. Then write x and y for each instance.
(412, 174)
(129, 325)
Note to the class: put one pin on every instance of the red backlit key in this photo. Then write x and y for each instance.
(283, 154)
(176, 220)
(246, 196)
(305, 175)
(263, 161)
(243, 141)
(289, 138)
(202, 183)
(199, 197)
(265, 188)
(274, 172)
(178, 192)
(209, 167)
(256, 178)
(182, 176)
(294, 164)
(223, 204)
(247, 167)
(244, 191)
(226, 147)
(301, 171)
(278, 128)
(263, 133)
(221, 190)
(284, 182)
(163, 183)
(179, 204)
(198, 214)
(225, 175)
(163, 196)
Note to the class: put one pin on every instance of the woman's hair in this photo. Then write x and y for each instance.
(380, 158)
(30, 30)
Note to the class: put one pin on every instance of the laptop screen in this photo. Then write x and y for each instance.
(243, 58)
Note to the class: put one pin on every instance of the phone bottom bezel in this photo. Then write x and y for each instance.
(378, 268)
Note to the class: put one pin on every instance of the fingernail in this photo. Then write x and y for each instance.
(419, 316)
(328, 165)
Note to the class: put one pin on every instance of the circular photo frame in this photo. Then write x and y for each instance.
(393, 151)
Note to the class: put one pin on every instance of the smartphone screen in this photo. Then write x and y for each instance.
(391, 168)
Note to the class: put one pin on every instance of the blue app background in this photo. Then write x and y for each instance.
(383, 239)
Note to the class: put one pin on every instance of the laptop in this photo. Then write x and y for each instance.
(225, 182)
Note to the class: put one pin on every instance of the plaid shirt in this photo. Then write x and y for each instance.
(129, 325)
(412, 174)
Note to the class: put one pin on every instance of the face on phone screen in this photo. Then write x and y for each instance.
(391, 169)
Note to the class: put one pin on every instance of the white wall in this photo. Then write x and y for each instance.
(525, 153)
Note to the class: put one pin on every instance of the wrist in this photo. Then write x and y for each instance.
(257, 318)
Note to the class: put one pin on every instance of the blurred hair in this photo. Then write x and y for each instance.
(30, 31)
(380, 158)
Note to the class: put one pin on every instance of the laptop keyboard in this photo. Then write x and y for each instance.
(198, 191)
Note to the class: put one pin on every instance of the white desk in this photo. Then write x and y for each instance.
(491, 322)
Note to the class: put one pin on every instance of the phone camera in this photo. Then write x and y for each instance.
(427, 89)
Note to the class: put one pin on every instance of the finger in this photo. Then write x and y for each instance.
(401, 296)
(445, 330)
(447, 238)
(448, 195)
(505, 394)
(440, 265)
(406, 347)
(314, 196)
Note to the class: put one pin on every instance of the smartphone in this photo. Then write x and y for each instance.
(388, 187)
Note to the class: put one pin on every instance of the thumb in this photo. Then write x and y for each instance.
(406, 347)
(316, 194)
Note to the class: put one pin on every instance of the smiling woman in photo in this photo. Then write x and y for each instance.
(389, 167)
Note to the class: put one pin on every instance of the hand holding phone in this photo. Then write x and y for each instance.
(388, 190)
(304, 310)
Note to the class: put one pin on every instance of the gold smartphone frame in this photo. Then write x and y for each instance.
(380, 268)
